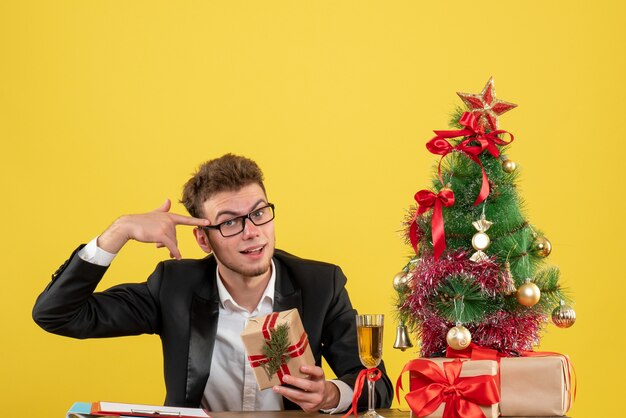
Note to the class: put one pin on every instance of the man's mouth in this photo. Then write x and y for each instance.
(253, 250)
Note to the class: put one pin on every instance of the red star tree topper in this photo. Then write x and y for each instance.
(486, 106)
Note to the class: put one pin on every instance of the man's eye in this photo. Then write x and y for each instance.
(257, 214)
(229, 223)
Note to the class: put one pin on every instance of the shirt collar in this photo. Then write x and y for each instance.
(227, 302)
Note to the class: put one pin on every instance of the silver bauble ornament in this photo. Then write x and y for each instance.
(563, 315)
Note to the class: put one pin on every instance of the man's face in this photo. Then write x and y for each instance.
(248, 253)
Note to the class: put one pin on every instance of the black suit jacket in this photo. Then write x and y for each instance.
(180, 302)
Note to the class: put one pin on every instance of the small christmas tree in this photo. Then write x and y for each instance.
(479, 270)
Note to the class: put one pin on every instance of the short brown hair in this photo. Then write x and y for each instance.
(226, 173)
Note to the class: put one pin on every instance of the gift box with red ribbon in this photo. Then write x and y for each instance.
(277, 345)
(538, 383)
(451, 388)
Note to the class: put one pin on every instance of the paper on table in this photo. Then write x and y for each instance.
(80, 410)
(147, 410)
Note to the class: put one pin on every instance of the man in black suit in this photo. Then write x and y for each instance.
(199, 307)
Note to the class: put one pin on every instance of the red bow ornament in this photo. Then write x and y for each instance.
(475, 134)
(426, 200)
(462, 395)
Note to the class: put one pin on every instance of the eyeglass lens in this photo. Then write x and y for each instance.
(236, 225)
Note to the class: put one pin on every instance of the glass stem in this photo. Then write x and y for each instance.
(371, 399)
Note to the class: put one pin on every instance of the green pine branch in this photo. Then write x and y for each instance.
(459, 299)
(548, 282)
(455, 116)
(276, 349)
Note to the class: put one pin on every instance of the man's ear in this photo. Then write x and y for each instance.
(202, 240)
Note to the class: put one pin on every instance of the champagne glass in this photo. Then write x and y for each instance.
(370, 332)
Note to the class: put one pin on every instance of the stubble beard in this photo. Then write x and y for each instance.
(246, 273)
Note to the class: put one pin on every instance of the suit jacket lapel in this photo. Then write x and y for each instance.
(203, 328)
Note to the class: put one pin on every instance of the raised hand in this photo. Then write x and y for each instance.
(158, 226)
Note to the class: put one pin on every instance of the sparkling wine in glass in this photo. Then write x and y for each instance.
(370, 334)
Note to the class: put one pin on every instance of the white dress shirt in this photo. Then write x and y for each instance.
(231, 385)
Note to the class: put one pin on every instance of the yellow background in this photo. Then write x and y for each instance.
(106, 107)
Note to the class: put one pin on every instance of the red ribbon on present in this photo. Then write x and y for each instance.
(478, 352)
(426, 200)
(293, 351)
(475, 133)
(372, 375)
(475, 352)
(462, 395)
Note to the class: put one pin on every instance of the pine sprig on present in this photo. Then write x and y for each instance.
(276, 349)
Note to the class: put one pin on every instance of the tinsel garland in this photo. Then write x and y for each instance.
(429, 274)
(508, 332)
(504, 331)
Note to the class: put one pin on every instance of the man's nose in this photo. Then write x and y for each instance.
(249, 228)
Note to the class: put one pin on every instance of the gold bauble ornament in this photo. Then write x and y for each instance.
(459, 337)
(528, 294)
(541, 247)
(509, 166)
(399, 281)
(563, 315)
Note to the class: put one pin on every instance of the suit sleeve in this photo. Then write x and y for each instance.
(340, 347)
(70, 306)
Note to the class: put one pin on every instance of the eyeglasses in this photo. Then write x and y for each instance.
(235, 226)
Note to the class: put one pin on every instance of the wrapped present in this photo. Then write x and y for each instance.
(277, 346)
(535, 385)
(449, 388)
